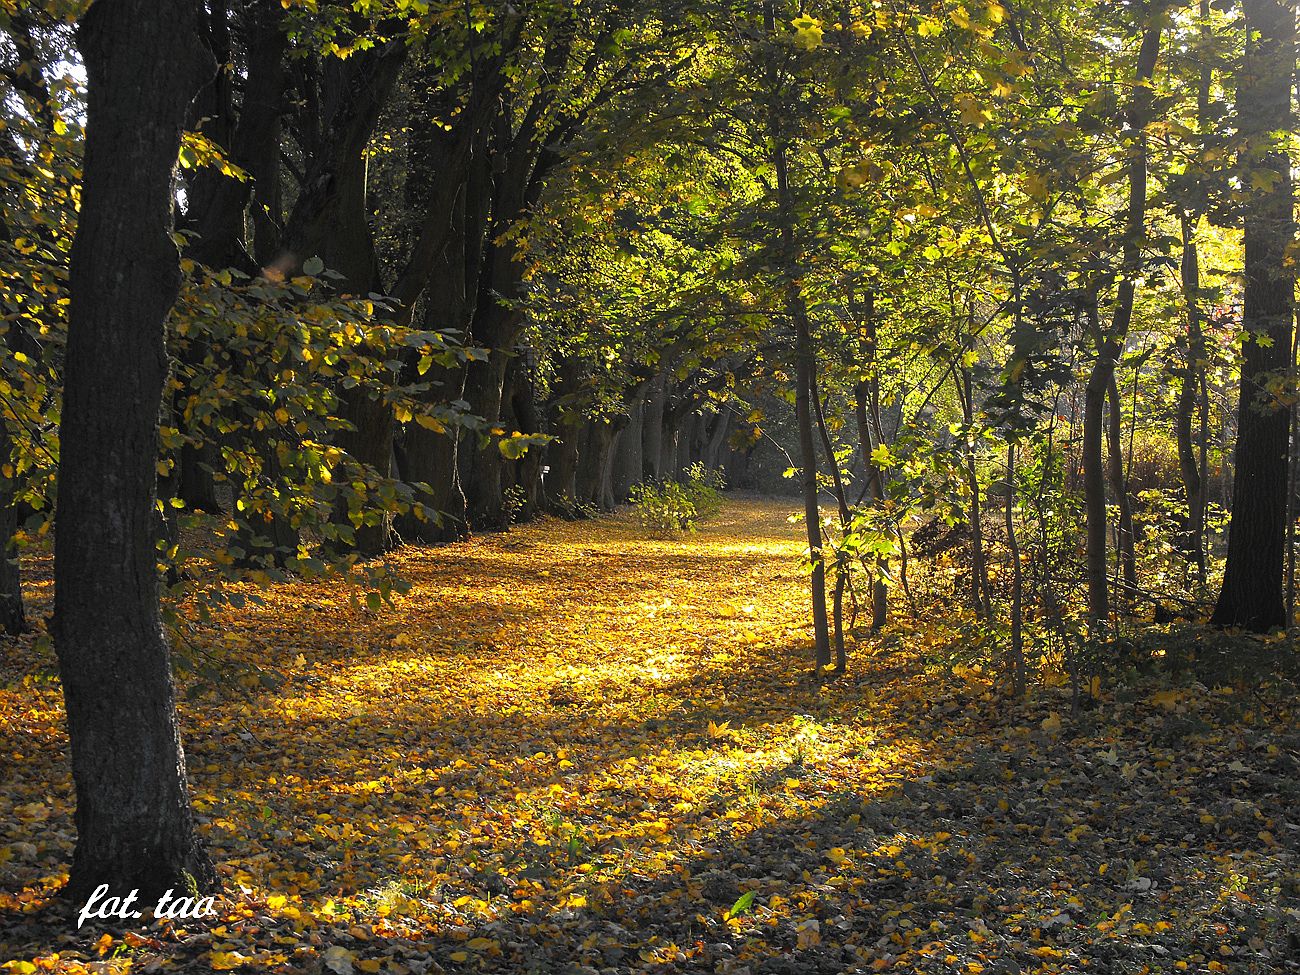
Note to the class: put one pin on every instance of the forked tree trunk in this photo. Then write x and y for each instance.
(1252, 579)
(135, 828)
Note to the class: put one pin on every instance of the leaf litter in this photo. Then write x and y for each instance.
(576, 749)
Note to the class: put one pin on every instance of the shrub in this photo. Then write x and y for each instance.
(670, 507)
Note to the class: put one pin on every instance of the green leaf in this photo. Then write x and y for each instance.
(743, 903)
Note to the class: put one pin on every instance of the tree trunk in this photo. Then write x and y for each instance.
(653, 429)
(594, 441)
(804, 352)
(1252, 579)
(1016, 649)
(866, 394)
(1119, 487)
(981, 591)
(329, 220)
(135, 828)
(567, 425)
(13, 618)
(629, 458)
(1190, 383)
(1110, 346)
(669, 447)
(603, 496)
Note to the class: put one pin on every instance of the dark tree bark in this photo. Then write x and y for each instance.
(135, 828)
(250, 135)
(525, 473)
(866, 408)
(652, 429)
(1252, 594)
(1190, 383)
(329, 221)
(717, 443)
(567, 426)
(629, 460)
(13, 617)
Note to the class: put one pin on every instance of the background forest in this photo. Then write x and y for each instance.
(1002, 290)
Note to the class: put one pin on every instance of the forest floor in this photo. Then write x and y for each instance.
(576, 748)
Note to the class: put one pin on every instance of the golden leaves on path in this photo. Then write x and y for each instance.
(572, 747)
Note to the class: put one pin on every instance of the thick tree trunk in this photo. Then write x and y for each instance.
(589, 460)
(718, 433)
(329, 220)
(567, 426)
(628, 458)
(1252, 579)
(496, 328)
(653, 430)
(135, 828)
(218, 204)
(525, 473)
(668, 446)
(605, 499)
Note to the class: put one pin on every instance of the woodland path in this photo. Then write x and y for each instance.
(577, 748)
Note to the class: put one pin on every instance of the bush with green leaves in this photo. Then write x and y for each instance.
(670, 507)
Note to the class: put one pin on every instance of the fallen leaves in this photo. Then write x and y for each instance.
(598, 764)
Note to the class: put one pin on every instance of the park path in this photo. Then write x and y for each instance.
(578, 747)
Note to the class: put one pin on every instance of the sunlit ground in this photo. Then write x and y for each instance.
(575, 747)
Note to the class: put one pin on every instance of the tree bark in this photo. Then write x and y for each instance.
(1252, 595)
(1110, 345)
(981, 591)
(13, 617)
(653, 429)
(329, 221)
(804, 361)
(135, 828)
(1189, 385)
(866, 398)
(629, 458)
(1119, 487)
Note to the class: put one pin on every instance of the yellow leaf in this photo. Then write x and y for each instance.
(1052, 724)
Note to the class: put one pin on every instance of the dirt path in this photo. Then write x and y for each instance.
(577, 748)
